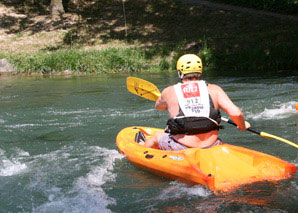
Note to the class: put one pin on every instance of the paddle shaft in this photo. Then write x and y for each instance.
(232, 122)
(263, 134)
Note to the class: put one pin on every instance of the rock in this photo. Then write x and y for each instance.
(6, 67)
(66, 72)
(192, 46)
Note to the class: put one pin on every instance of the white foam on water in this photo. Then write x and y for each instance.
(197, 191)
(141, 113)
(99, 175)
(178, 190)
(295, 162)
(281, 111)
(18, 126)
(84, 111)
(13, 166)
(8, 97)
(87, 193)
(9, 168)
(135, 114)
(21, 153)
(61, 125)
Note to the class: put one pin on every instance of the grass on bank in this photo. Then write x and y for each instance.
(255, 61)
(110, 60)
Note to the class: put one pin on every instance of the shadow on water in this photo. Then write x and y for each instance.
(262, 195)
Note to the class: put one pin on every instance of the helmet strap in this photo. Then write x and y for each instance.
(180, 74)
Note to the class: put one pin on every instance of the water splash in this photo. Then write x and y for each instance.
(87, 192)
(9, 167)
(178, 189)
(281, 111)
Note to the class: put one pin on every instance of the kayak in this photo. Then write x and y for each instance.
(220, 168)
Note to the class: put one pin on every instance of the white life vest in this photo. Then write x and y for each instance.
(193, 98)
(196, 114)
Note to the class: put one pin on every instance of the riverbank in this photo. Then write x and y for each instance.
(149, 39)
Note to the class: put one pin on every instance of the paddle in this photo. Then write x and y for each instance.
(147, 90)
(142, 88)
(263, 134)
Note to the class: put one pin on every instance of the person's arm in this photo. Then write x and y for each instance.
(231, 109)
(161, 103)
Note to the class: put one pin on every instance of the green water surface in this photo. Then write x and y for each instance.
(58, 150)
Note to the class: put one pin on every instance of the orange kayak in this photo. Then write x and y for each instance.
(221, 168)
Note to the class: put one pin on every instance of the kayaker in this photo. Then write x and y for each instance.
(193, 107)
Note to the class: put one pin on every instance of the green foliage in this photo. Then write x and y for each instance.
(70, 37)
(207, 56)
(232, 43)
(251, 61)
(254, 61)
(90, 61)
(163, 64)
(2, 55)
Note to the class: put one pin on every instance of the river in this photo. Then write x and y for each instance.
(58, 151)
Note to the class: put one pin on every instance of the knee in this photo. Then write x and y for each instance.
(153, 141)
(158, 135)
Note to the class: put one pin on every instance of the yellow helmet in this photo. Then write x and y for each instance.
(189, 63)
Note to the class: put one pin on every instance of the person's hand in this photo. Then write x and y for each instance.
(247, 125)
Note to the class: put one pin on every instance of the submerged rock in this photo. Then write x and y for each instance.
(6, 67)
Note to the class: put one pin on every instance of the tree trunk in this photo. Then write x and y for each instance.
(56, 9)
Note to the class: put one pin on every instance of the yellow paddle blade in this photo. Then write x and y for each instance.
(142, 88)
(267, 135)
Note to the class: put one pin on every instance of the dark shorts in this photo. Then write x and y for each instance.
(167, 142)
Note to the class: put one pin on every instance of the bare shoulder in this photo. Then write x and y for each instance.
(215, 88)
(167, 90)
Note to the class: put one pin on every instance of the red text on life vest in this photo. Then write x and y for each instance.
(190, 90)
